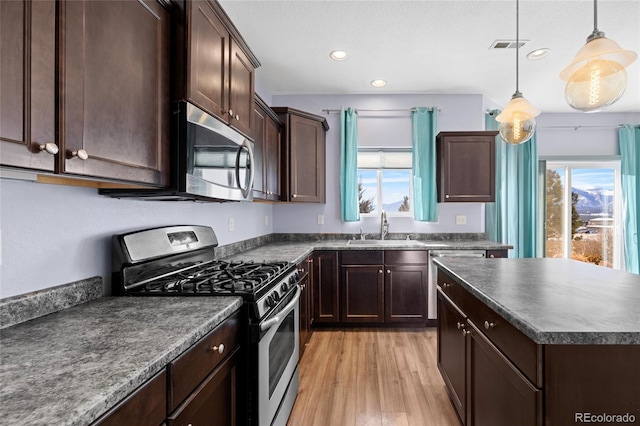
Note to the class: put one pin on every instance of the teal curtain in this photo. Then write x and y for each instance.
(424, 126)
(349, 165)
(495, 213)
(512, 219)
(629, 139)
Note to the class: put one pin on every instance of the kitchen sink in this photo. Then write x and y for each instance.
(395, 243)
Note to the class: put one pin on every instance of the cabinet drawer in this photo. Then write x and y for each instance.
(361, 257)
(452, 289)
(213, 402)
(147, 405)
(522, 351)
(419, 257)
(190, 368)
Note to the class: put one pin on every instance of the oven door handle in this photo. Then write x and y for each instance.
(275, 320)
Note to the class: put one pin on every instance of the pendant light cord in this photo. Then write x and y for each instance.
(517, 47)
(595, 16)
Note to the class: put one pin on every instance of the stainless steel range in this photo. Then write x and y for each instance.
(180, 261)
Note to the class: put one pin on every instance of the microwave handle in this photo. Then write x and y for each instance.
(245, 191)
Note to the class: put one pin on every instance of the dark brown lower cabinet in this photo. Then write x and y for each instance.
(325, 287)
(146, 406)
(452, 349)
(405, 293)
(306, 302)
(497, 393)
(362, 293)
(213, 402)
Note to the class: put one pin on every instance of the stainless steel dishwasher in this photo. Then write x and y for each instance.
(432, 307)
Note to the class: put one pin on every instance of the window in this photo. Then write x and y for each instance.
(583, 211)
(384, 181)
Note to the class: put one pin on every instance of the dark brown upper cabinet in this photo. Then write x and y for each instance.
(27, 84)
(304, 163)
(267, 140)
(466, 166)
(114, 90)
(216, 70)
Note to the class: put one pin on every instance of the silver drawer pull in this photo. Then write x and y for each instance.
(465, 333)
(489, 325)
(460, 325)
(219, 348)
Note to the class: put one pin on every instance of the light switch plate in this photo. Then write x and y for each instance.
(231, 224)
(320, 219)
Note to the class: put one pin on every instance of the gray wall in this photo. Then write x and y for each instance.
(52, 235)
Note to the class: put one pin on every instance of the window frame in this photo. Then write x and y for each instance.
(569, 163)
(379, 180)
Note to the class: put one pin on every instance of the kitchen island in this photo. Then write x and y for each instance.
(539, 341)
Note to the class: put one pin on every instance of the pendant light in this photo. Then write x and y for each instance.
(517, 121)
(597, 77)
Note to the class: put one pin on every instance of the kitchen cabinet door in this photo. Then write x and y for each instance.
(362, 293)
(452, 352)
(305, 303)
(405, 293)
(304, 157)
(214, 401)
(259, 159)
(241, 90)
(114, 90)
(267, 131)
(466, 166)
(273, 165)
(207, 61)
(27, 84)
(325, 287)
(497, 393)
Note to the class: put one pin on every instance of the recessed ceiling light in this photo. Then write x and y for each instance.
(338, 55)
(378, 83)
(538, 53)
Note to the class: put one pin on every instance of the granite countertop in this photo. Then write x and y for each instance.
(69, 367)
(556, 301)
(296, 251)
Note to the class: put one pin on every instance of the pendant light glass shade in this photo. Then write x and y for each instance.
(596, 78)
(517, 120)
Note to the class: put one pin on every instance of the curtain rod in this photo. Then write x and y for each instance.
(335, 111)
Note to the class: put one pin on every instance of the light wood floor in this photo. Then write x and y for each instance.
(369, 376)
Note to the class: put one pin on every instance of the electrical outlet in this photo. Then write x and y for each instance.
(320, 219)
(231, 224)
(461, 219)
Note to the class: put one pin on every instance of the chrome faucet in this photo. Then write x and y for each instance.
(384, 225)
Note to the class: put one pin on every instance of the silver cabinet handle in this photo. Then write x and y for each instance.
(465, 333)
(460, 325)
(49, 147)
(489, 325)
(388, 271)
(81, 154)
(219, 348)
(380, 271)
(231, 112)
(237, 117)
(446, 285)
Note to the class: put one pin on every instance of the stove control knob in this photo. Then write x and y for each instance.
(276, 295)
(270, 301)
(284, 287)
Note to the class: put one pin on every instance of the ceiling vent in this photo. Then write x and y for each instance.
(506, 44)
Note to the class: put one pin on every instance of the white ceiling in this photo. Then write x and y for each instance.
(429, 46)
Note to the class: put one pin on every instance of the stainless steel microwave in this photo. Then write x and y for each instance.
(210, 161)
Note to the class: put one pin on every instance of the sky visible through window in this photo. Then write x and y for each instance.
(395, 186)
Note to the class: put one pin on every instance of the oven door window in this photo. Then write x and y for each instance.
(281, 350)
